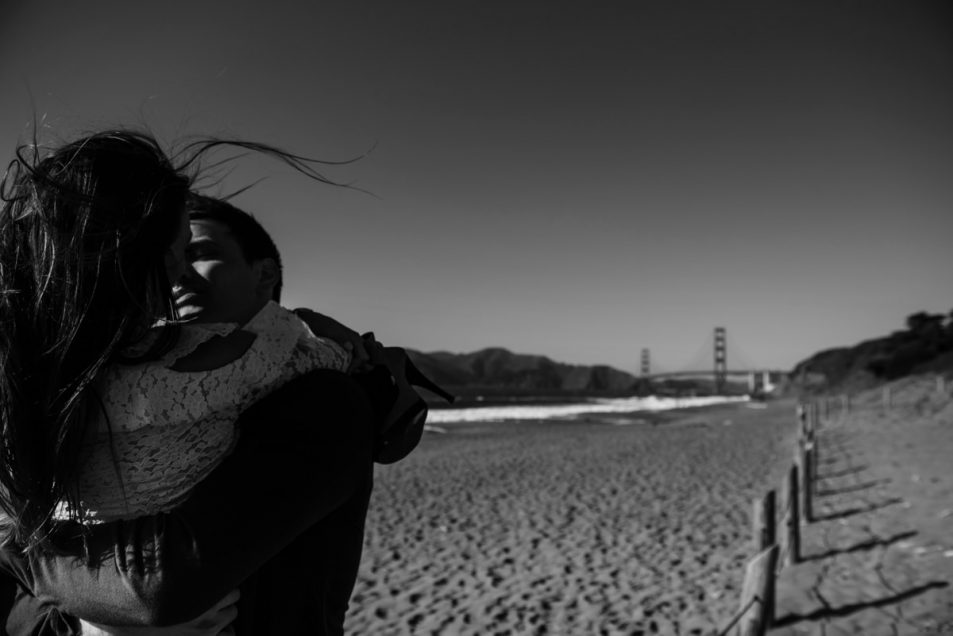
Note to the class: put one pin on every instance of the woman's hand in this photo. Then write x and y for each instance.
(217, 621)
(327, 327)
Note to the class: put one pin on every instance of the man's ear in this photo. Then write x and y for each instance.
(268, 275)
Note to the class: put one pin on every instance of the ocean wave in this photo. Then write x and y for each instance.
(562, 411)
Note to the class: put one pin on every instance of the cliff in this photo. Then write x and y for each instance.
(925, 346)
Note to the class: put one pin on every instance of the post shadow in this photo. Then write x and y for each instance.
(855, 488)
(830, 458)
(836, 444)
(843, 473)
(863, 546)
(852, 608)
(850, 512)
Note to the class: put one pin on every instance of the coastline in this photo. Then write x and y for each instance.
(618, 408)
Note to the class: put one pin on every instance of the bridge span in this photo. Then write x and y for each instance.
(756, 379)
(707, 373)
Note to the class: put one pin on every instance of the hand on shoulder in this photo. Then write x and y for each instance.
(327, 327)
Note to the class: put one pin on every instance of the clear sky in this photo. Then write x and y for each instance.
(579, 180)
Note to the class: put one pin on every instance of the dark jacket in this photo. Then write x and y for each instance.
(282, 517)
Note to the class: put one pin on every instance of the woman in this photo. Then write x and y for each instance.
(91, 237)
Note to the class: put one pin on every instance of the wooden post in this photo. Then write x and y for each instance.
(815, 458)
(764, 525)
(804, 468)
(792, 520)
(757, 593)
(845, 404)
(811, 426)
(815, 447)
(805, 420)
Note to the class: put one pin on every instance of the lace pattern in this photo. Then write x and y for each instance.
(162, 431)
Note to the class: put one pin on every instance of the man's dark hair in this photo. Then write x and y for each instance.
(251, 237)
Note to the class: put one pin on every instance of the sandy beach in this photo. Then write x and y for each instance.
(610, 526)
(635, 525)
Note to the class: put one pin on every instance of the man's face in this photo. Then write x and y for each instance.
(221, 285)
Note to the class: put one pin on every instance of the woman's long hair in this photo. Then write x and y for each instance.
(84, 231)
(83, 237)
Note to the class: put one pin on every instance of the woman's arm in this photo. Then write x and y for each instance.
(216, 621)
(301, 453)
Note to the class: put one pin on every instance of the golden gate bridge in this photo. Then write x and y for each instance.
(754, 379)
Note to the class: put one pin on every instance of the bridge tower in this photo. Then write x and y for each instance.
(721, 360)
(646, 368)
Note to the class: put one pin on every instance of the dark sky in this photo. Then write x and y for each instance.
(552, 177)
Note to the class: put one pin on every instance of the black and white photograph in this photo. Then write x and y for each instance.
(476, 318)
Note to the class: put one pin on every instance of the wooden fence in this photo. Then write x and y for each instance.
(778, 550)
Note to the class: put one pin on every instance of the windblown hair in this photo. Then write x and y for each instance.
(83, 235)
(84, 232)
(252, 238)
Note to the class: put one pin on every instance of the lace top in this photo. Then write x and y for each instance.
(162, 431)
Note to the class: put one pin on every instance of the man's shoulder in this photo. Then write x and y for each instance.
(308, 404)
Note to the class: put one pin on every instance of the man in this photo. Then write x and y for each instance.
(213, 538)
(235, 270)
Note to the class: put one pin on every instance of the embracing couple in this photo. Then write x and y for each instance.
(180, 455)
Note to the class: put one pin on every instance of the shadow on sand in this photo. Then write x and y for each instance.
(850, 512)
(842, 473)
(855, 488)
(863, 546)
(851, 608)
(831, 458)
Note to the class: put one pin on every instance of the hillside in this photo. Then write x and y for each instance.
(926, 345)
(499, 370)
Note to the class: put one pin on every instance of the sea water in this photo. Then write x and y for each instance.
(590, 406)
